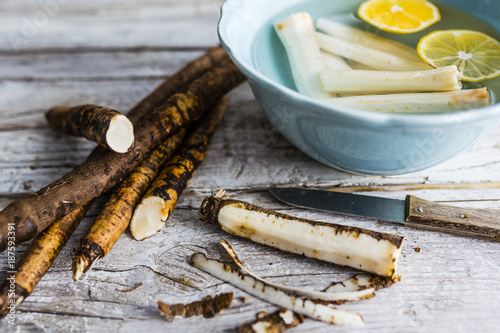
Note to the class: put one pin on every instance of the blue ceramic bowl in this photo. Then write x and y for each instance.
(347, 139)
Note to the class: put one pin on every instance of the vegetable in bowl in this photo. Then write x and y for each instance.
(342, 136)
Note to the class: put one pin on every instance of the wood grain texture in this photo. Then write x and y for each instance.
(113, 53)
(428, 214)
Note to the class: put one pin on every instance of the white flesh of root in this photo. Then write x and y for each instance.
(120, 134)
(315, 295)
(297, 33)
(359, 66)
(373, 58)
(320, 241)
(287, 316)
(265, 325)
(79, 268)
(261, 327)
(358, 282)
(332, 61)
(377, 82)
(148, 218)
(450, 101)
(275, 296)
(365, 38)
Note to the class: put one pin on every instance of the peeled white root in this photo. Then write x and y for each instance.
(120, 134)
(377, 82)
(368, 39)
(450, 101)
(273, 295)
(297, 33)
(370, 57)
(149, 218)
(360, 66)
(359, 248)
(340, 297)
(333, 61)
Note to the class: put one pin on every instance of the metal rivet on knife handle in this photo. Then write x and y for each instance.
(428, 214)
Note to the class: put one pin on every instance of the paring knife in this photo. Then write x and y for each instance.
(412, 211)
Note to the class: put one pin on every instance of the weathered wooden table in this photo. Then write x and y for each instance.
(115, 52)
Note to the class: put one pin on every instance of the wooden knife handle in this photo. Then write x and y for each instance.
(481, 222)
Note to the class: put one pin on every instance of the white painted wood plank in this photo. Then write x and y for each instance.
(91, 66)
(171, 24)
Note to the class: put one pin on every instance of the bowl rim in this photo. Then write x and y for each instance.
(376, 118)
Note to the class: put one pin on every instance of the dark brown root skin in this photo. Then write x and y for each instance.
(89, 252)
(37, 259)
(117, 212)
(26, 228)
(105, 169)
(177, 173)
(208, 307)
(90, 121)
(178, 82)
(381, 282)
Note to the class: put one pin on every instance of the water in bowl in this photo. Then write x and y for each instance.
(270, 57)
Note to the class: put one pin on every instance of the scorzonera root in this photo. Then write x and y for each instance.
(363, 282)
(276, 322)
(330, 297)
(104, 169)
(37, 259)
(108, 127)
(178, 82)
(159, 201)
(284, 319)
(117, 212)
(274, 295)
(363, 249)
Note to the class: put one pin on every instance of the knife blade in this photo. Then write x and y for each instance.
(412, 211)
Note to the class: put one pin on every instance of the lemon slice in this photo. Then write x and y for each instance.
(399, 16)
(476, 55)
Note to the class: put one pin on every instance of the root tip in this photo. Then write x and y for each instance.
(79, 266)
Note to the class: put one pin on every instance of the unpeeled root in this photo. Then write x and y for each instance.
(104, 169)
(117, 212)
(37, 259)
(109, 128)
(161, 198)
